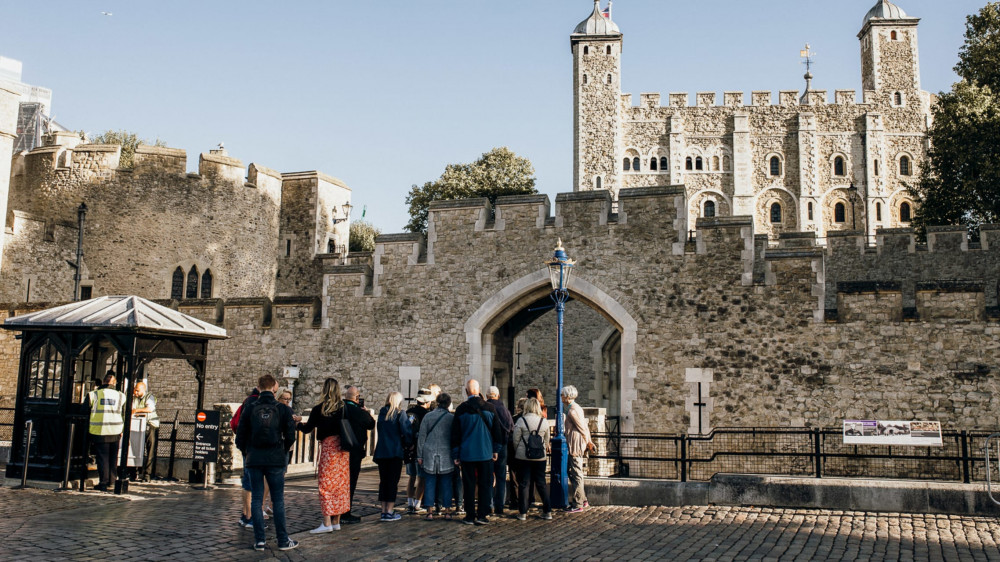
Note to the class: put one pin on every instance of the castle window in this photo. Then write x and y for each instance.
(86, 292)
(893, 36)
(663, 164)
(627, 164)
(838, 166)
(897, 98)
(878, 211)
(775, 213)
(584, 78)
(288, 248)
(177, 284)
(586, 50)
(709, 209)
(635, 164)
(715, 163)
(904, 165)
(876, 167)
(608, 49)
(698, 165)
(809, 210)
(775, 166)
(726, 164)
(44, 372)
(652, 163)
(904, 212)
(192, 283)
(597, 182)
(688, 163)
(206, 284)
(839, 213)
(609, 79)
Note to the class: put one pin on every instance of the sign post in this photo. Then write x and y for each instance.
(206, 440)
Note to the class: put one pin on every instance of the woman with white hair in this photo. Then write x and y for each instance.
(394, 432)
(578, 441)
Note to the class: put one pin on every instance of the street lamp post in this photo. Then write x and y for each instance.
(560, 269)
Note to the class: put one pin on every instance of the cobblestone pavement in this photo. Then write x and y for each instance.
(172, 521)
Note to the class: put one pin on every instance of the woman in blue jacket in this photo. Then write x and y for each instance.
(394, 432)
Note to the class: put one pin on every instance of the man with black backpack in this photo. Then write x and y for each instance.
(506, 422)
(265, 434)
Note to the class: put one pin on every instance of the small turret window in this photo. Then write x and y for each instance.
(904, 212)
(775, 166)
(586, 50)
(597, 182)
(698, 165)
(652, 164)
(627, 164)
(775, 213)
(609, 79)
(838, 166)
(898, 99)
(608, 49)
(839, 213)
(663, 164)
(809, 210)
(584, 78)
(878, 211)
(904, 165)
(635, 164)
(709, 209)
(893, 36)
(876, 167)
(688, 163)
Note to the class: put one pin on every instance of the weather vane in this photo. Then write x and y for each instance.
(807, 54)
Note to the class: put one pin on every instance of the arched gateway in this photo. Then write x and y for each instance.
(513, 299)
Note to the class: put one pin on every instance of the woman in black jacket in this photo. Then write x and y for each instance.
(334, 461)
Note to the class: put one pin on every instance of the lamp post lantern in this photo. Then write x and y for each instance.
(560, 269)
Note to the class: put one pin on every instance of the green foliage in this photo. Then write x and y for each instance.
(497, 172)
(961, 184)
(128, 141)
(362, 237)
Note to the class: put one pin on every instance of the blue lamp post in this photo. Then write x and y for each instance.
(560, 268)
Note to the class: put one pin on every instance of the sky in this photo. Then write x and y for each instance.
(384, 93)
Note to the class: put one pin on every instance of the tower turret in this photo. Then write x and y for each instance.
(889, 62)
(596, 44)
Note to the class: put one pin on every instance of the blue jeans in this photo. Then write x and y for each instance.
(275, 476)
(437, 488)
(500, 481)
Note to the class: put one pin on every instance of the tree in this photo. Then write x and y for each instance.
(362, 236)
(961, 184)
(128, 141)
(497, 172)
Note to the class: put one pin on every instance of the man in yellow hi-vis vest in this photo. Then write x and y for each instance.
(106, 425)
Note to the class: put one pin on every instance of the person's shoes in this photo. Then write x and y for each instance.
(322, 529)
(348, 519)
(429, 517)
(289, 545)
(460, 511)
(586, 504)
(146, 478)
(245, 522)
(268, 510)
(547, 516)
(101, 488)
(410, 510)
(390, 517)
(482, 521)
(522, 517)
(574, 509)
(260, 545)
(417, 510)
(469, 521)
(335, 526)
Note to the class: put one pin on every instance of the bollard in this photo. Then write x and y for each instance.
(27, 449)
(69, 458)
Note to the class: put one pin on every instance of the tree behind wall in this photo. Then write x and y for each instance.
(362, 237)
(962, 182)
(128, 140)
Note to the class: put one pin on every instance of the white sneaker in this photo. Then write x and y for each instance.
(335, 527)
(324, 529)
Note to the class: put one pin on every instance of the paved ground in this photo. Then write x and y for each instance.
(172, 521)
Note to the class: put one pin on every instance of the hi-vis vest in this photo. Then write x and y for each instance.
(151, 418)
(106, 405)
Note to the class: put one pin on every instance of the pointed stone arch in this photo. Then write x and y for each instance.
(506, 303)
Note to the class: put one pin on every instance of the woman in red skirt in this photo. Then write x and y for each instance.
(334, 462)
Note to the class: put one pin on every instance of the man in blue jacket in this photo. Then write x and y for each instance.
(265, 434)
(476, 439)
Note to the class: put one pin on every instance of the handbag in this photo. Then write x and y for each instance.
(348, 439)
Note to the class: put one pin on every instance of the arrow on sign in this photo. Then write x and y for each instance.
(199, 436)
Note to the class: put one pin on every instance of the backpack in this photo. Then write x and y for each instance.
(265, 426)
(235, 422)
(534, 447)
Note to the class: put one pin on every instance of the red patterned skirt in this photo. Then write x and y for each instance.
(334, 478)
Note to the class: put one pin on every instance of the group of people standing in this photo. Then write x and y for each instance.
(106, 423)
(450, 451)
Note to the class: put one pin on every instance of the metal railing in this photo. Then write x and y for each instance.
(787, 452)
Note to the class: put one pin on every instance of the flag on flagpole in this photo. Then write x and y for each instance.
(364, 210)
(607, 12)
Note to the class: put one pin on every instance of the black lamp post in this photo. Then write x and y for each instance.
(560, 269)
(81, 214)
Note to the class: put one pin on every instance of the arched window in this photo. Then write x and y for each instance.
(192, 283)
(627, 164)
(838, 166)
(586, 50)
(893, 36)
(715, 163)
(875, 163)
(635, 164)
(609, 79)
(898, 98)
(709, 209)
(839, 213)
(206, 283)
(698, 165)
(904, 212)
(775, 166)
(177, 284)
(663, 164)
(726, 164)
(597, 182)
(607, 49)
(584, 79)
(652, 163)
(688, 163)
(878, 211)
(904, 165)
(775, 213)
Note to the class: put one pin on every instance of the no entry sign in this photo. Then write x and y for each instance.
(206, 436)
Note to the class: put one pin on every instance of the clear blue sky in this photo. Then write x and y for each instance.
(383, 94)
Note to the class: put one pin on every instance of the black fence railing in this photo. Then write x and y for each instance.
(784, 451)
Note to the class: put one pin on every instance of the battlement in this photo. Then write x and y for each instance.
(736, 99)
